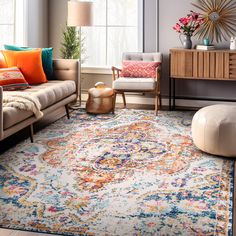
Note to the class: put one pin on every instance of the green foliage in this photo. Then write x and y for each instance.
(71, 47)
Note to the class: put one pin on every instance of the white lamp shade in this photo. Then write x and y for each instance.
(79, 13)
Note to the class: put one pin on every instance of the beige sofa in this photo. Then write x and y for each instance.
(59, 92)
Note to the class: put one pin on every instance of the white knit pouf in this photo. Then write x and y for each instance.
(214, 130)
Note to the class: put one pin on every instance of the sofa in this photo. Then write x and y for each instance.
(58, 92)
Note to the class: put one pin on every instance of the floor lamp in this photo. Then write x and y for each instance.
(79, 14)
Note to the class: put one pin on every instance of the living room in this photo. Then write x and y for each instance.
(117, 117)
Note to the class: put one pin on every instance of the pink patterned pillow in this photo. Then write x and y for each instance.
(139, 69)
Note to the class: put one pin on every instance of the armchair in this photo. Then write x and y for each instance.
(141, 77)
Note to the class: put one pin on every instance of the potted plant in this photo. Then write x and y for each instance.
(72, 45)
(187, 26)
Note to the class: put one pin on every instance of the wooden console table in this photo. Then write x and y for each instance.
(200, 65)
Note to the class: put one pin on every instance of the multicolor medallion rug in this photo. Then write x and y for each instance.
(126, 174)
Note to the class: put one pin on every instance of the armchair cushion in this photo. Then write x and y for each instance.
(139, 69)
(134, 84)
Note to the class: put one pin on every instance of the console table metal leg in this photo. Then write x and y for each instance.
(173, 94)
(170, 94)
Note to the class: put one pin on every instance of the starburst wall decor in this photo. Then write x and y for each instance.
(218, 19)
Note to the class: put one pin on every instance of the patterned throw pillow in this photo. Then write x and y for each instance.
(139, 69)
(12, 79)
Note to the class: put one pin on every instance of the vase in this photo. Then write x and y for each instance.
(186, 42)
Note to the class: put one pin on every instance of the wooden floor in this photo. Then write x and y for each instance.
(8, 232)
(13, 140)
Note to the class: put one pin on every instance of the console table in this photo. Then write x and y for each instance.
(200, 65)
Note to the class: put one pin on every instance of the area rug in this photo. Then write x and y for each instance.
(126, 174)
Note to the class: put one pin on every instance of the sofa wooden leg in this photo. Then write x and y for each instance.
(31, 128)
(67, 111)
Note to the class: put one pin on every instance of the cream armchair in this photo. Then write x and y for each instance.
(142, 85)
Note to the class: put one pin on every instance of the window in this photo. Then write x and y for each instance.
(7, 21)
(117, 28)
(12, 22)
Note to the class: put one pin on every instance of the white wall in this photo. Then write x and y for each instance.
(57, 22)
(150, 26)
(37, 23)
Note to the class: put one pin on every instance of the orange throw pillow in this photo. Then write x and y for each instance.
(2, 61)
(29, 62)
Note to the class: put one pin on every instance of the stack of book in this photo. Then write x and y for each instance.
(206, 48)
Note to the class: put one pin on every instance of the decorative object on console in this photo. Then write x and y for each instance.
(149, 84)
(205, 48)
(233, 43)
(12, 79)
(206, 42)
(47, 57)
(100, 99)
(218, 19)
(79, 14)
(29, 62)
(187, 26)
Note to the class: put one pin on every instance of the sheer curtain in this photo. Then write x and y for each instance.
(116, 30)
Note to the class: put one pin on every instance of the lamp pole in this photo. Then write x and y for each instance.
(79, 14)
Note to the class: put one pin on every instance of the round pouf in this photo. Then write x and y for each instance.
(214, 130)
(100, 99)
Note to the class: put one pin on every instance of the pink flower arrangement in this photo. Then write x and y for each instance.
(189, 24)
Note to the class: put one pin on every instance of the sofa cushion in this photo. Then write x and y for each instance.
(52, 92)
(12, 116)
(135, 84)
(47, 93)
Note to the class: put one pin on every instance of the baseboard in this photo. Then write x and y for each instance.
(142, 100)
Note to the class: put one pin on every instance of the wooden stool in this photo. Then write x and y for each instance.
(101, 99)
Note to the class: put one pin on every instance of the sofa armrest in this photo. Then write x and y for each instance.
(66, 69)
(1, 113)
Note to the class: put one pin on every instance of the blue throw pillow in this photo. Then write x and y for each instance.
(47, 56)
